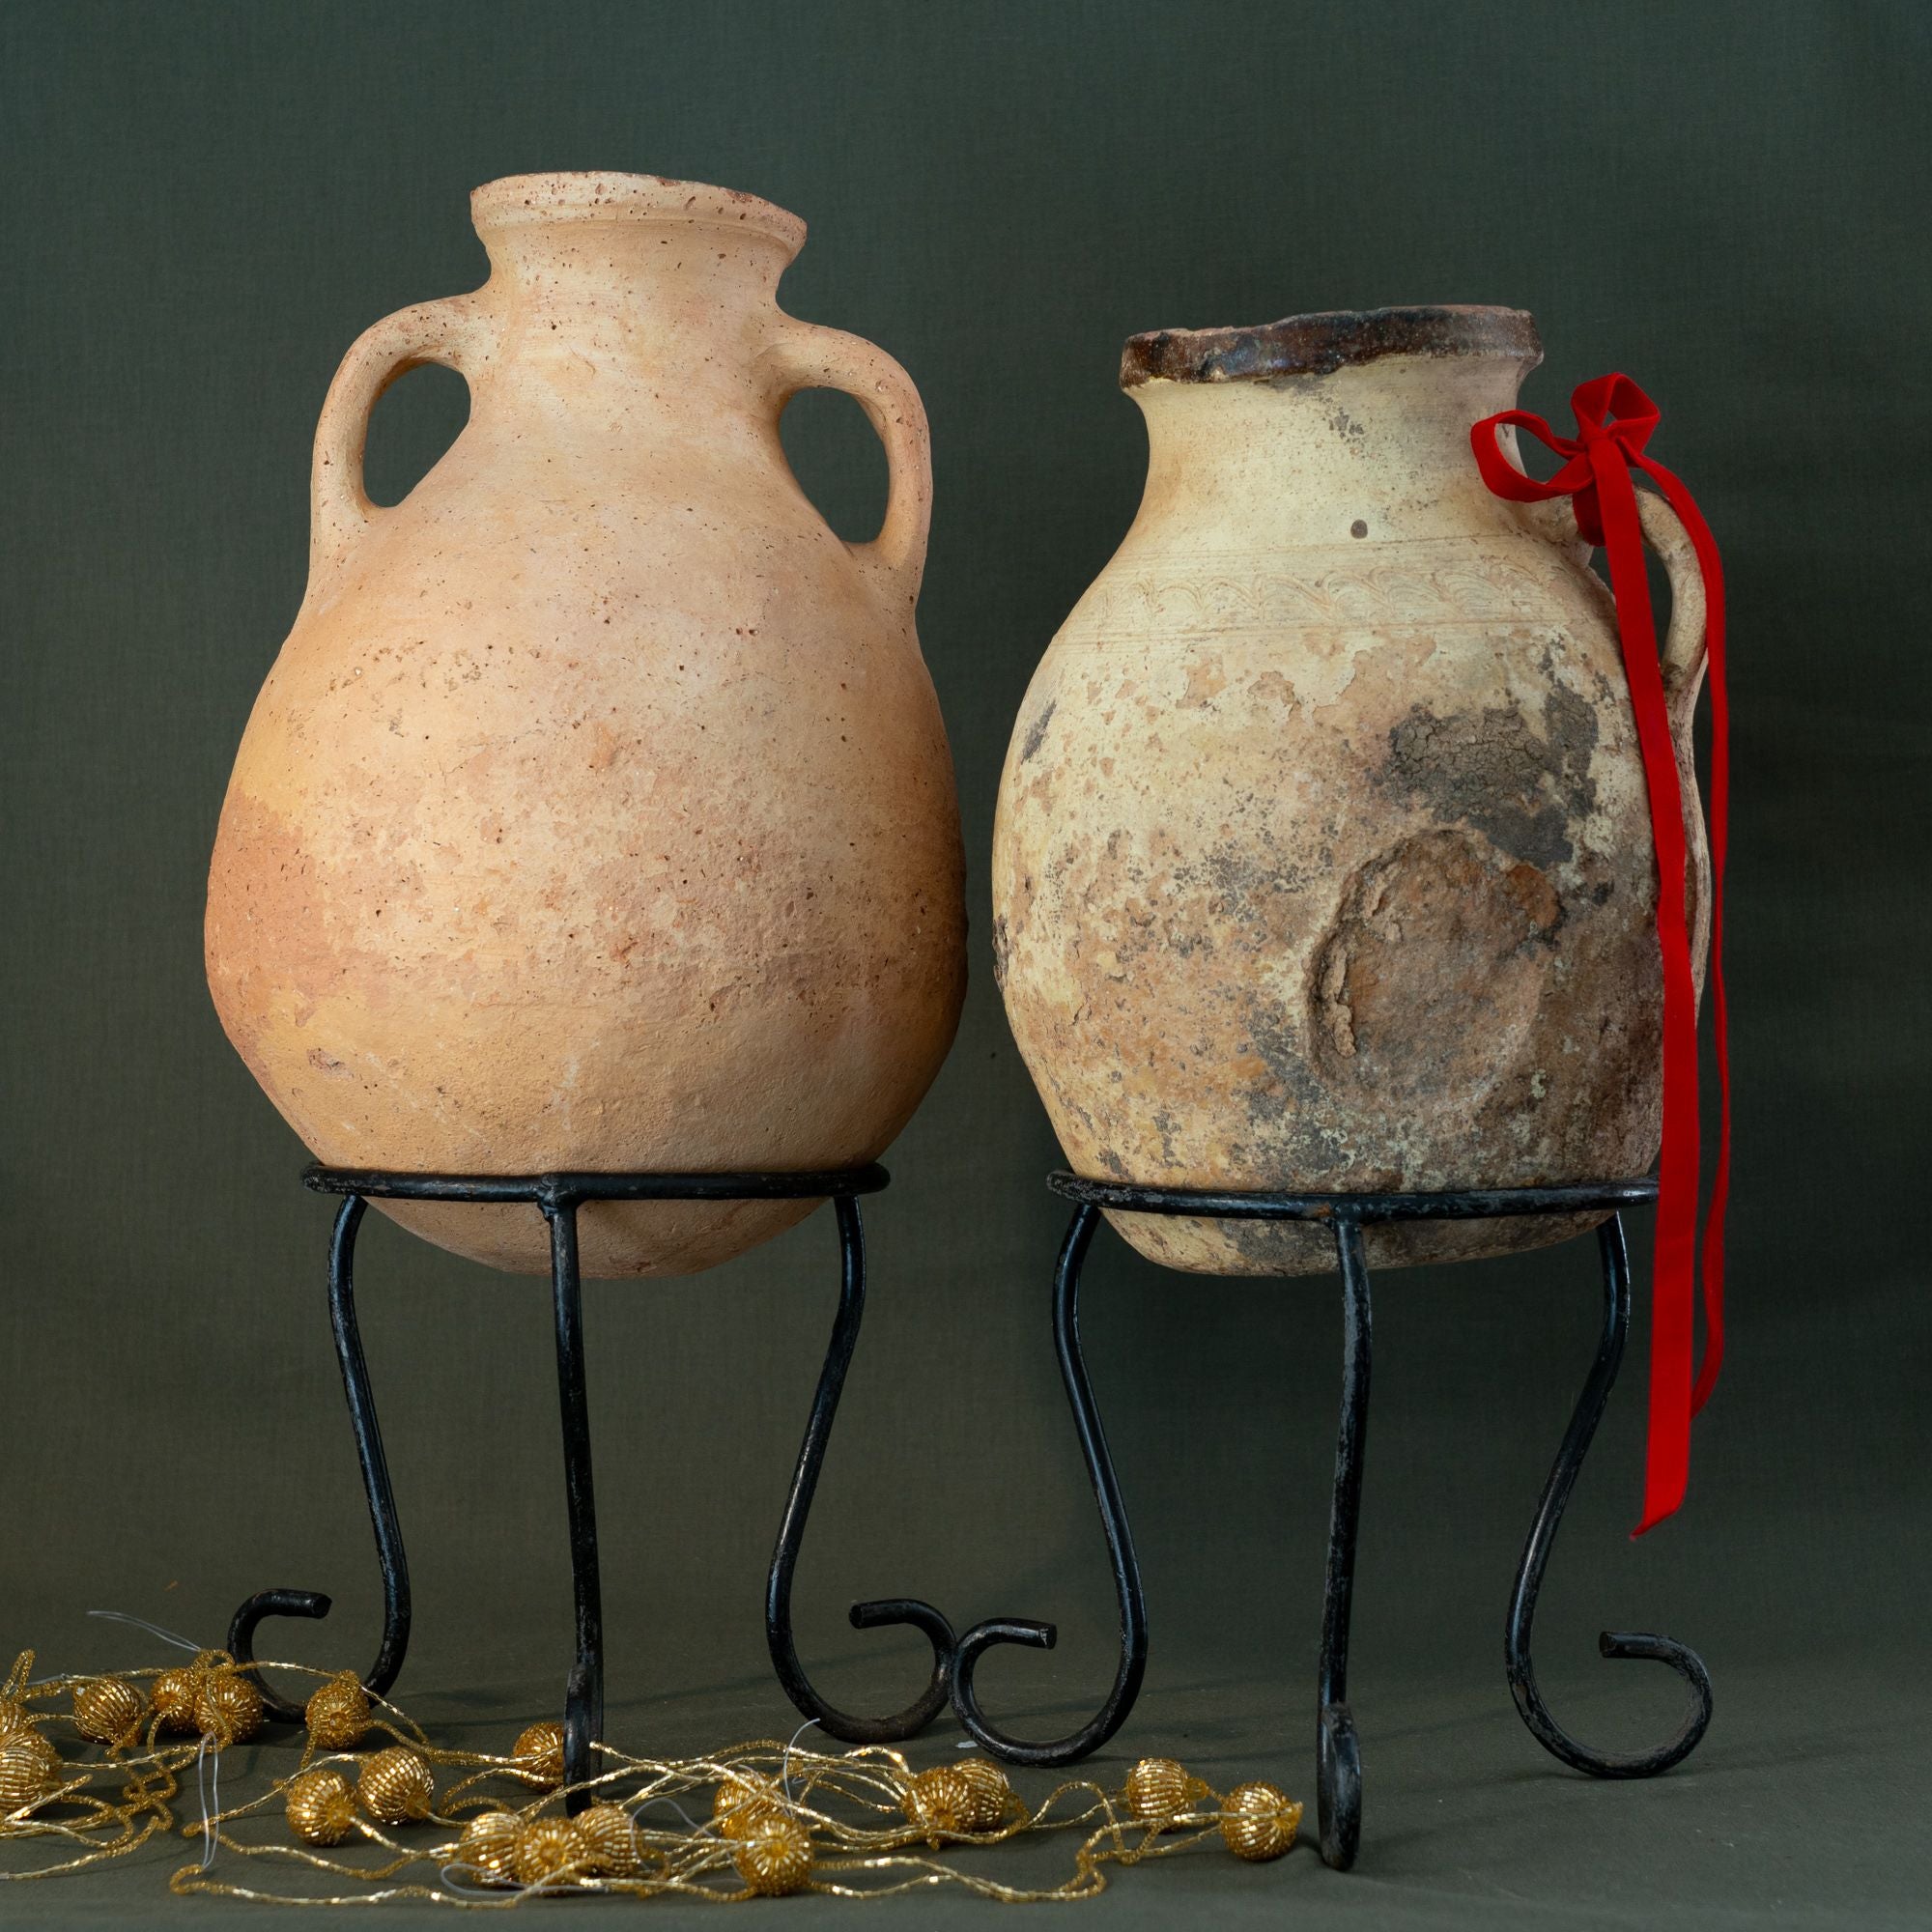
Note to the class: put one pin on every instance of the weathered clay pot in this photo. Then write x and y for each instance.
(1322, 858)
(597, 813)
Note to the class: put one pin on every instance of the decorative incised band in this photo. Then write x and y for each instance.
(1181, 596)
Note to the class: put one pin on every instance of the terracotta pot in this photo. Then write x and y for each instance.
(597, 813)
(1322, 858)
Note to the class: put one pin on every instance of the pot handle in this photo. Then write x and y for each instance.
(807, 357)
(340, 509)
(1684, 642)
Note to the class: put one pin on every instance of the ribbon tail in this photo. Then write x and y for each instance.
(1674, 1268)
(1712, 1359)
(1711, 566)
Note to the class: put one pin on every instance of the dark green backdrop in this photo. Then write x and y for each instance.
(204, 204)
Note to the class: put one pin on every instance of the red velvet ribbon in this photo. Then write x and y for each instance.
(1614, 420)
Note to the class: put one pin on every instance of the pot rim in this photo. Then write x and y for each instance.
(601, 195)
(1328, 340)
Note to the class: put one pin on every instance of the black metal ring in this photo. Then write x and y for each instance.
(1467, 1204)
(539, 1189)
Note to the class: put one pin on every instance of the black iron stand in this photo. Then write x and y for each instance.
(559, 1197)
(1338, 1760)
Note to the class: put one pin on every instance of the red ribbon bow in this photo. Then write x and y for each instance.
(1614, 420)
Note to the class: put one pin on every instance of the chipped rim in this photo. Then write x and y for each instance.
(1320, 344)
(515, 199)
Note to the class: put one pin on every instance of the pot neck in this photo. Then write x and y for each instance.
(1305, 459)
(633, 275)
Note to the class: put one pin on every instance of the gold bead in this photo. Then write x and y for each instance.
(227, 1708)
(106, 1710)
(173, 1698)
(320, 1807)
(740, 1804)
(338, 1713)
(989, 1794)
(489, 1846)
(29, 1769)
(1259, 1821)
(937, 1802)
(1157, 1788)
(776, 1860)
(14, 1718)
(547, 1850)
(396, 1786)
(539, 1755)
(606, 1842)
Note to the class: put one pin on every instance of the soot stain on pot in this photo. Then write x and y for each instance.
(1492, 771)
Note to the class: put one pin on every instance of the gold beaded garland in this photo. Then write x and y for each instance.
(396, 1786)
(606, 1842)
(489, 1846)
(29, 1769)
(989, 1794)
(539, 1755)
(937, 1802)
(338, 1713)
(547, 1850)
(1259, 1821)
(320, 1807)
(776, 1860)
(841, 1808)
(107, 1709)
(1157, 1788)
(227, 1708)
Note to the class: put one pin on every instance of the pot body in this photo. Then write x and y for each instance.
(597, 813)
(1323, 859)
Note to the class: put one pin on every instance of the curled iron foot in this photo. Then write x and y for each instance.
(1338, 1786)
(877, 1615)
(1127, 1591)
(1517, 1660)
(389, 1551)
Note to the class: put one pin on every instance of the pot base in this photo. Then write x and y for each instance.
(616, 1240)
(1196, 1246)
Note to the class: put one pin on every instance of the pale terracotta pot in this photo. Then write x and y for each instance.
(597, 813)
(1322, 858)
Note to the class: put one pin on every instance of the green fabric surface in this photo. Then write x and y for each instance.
(206, 203)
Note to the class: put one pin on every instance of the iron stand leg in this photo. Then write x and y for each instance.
(791, 1535)
(1517, 1663)
(1338, 1760)
(1127, 1591)
(583, 1703)
(368, 1432)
